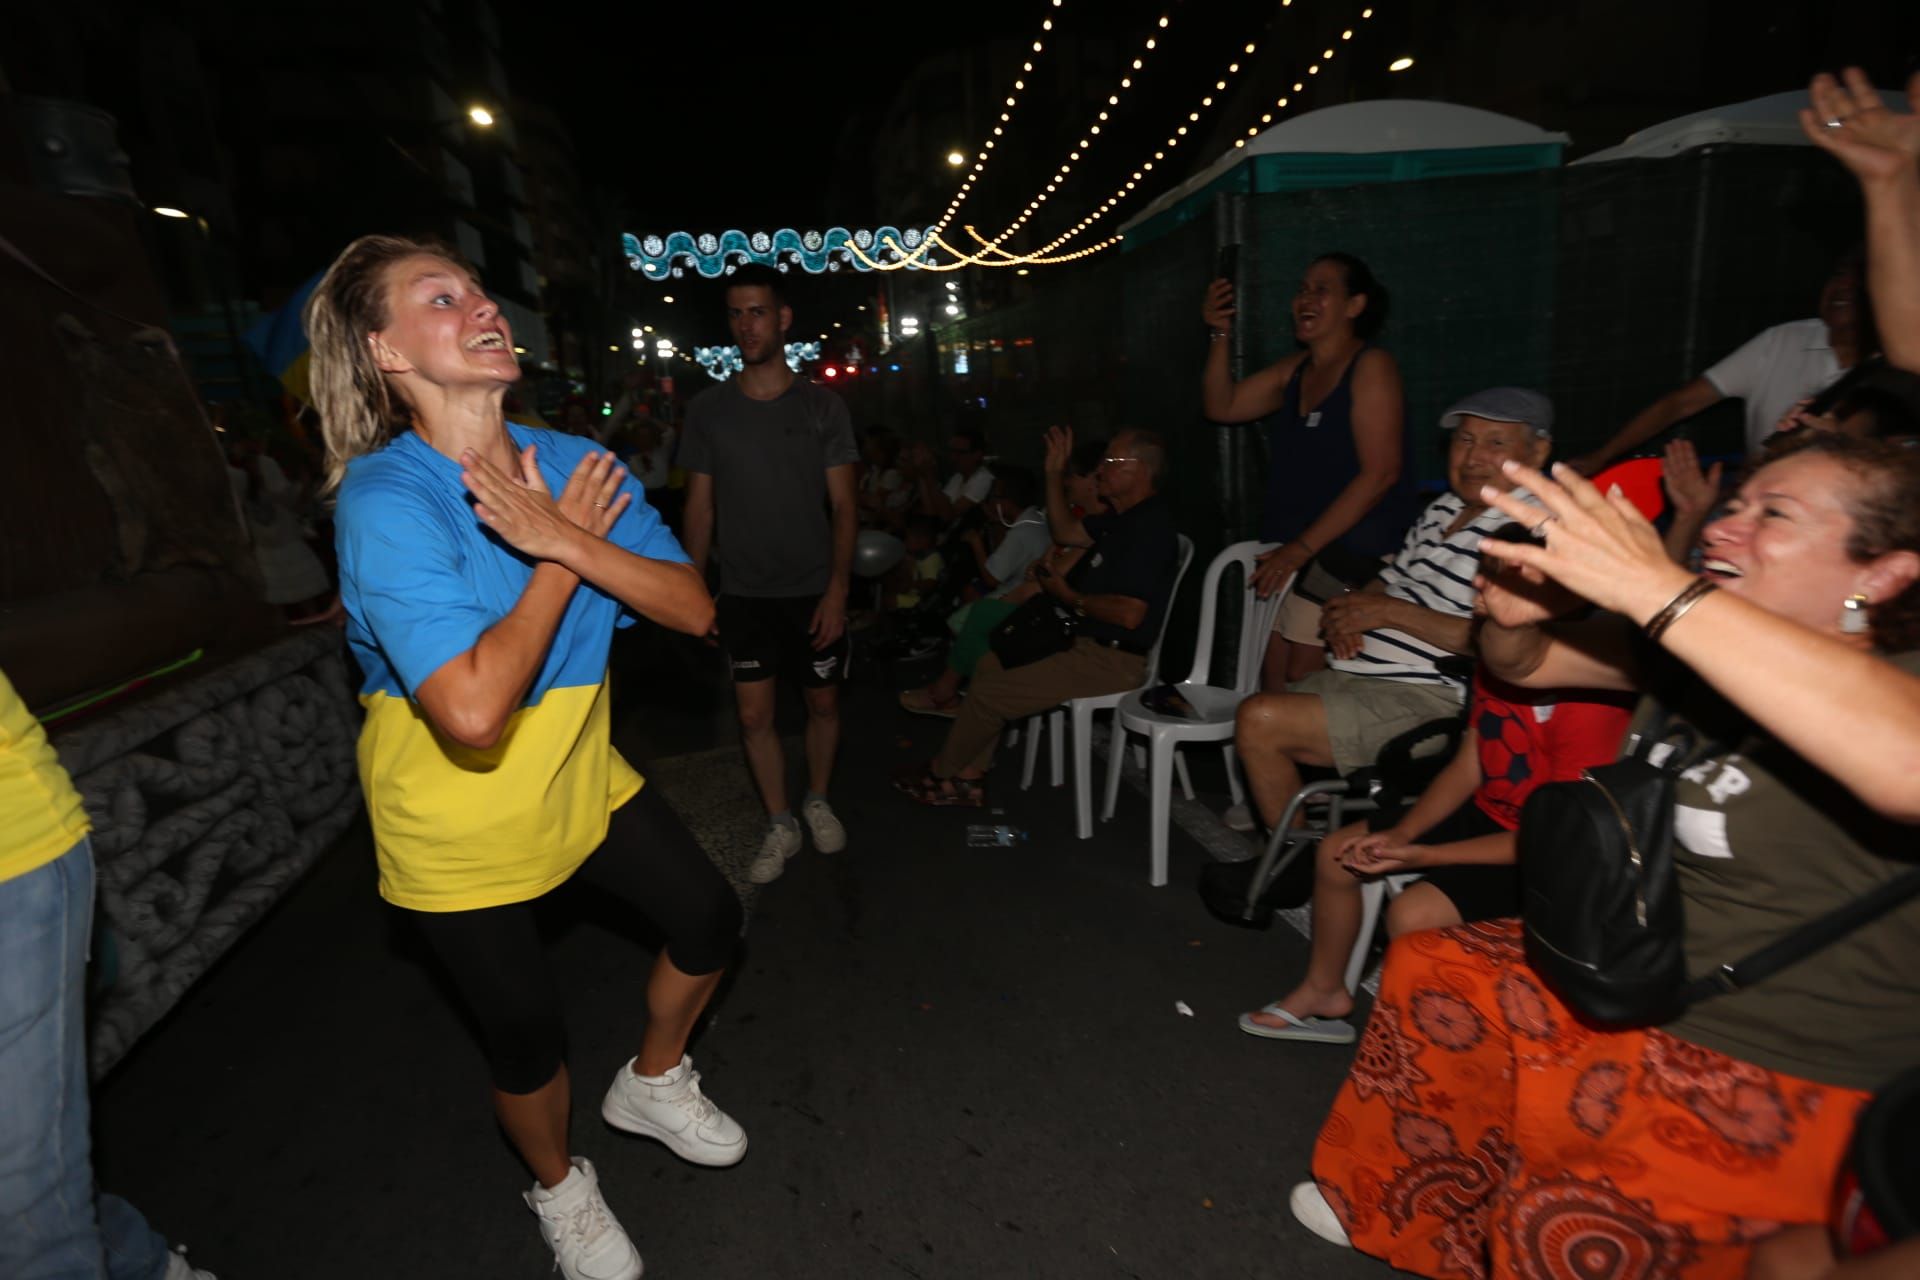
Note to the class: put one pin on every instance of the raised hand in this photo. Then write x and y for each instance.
(592, 498)
(1218, 309)
(1059, 449)
(1514, 597)
(1850, 120)
(1596, 545)
(519, 508)
(1691, 490)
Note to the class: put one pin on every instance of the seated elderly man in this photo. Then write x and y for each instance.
(1118, 593)
(1385, 639)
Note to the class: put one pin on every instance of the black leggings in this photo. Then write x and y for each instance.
(649, 861)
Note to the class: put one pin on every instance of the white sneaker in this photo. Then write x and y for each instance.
(780, 843)
(587, 1240)
(672, 1109)
(178, 1268)
(1311, 1209)
(829, 836)
(1238, 817)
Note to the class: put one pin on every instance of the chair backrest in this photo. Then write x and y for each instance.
(1256, 617)
(1160, 639)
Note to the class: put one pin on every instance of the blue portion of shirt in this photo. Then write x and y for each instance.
(422, 577)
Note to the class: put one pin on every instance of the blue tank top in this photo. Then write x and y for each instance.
(1311, 458)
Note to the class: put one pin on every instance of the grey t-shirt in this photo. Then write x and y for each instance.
(1766, 842)
(769, 462)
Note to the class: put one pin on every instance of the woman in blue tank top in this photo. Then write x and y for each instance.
(1335, 440)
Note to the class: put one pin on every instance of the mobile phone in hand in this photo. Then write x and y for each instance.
(1227, 265)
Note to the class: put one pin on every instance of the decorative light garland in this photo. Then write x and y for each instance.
(1173, 140)
(1086, 143)
(1006, 118)
(722, 363)
(669, 257)
(1300, 86)
(994, 255)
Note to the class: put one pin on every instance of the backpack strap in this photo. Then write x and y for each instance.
(1803, 941)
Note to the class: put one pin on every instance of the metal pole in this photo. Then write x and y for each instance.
(1231, 443)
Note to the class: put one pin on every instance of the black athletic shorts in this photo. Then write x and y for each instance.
(768, 636)
(1478, 891)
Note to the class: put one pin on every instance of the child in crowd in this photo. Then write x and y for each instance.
(1458, 837)
(921, 568)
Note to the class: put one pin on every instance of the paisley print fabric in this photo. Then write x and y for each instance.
(1485, 1131)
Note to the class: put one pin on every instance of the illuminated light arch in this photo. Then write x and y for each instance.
(712, 256)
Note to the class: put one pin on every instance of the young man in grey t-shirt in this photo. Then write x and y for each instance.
(774, 456)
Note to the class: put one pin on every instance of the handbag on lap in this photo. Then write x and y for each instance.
(1038, 629)
(1601, 902)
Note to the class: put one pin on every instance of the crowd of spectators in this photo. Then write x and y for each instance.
(1761, 652)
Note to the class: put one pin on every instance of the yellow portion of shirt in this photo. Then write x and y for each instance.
(41, 816)
(456, 829)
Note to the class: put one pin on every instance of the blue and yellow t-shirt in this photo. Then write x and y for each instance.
(41, 816)
(422, 578)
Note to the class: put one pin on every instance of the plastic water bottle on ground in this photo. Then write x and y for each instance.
(984, 836)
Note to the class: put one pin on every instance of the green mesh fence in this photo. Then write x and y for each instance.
(1604, 285)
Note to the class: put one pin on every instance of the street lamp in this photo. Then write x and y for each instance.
(167, 211)
(480, 116)
(956, 159)
(1400, 64)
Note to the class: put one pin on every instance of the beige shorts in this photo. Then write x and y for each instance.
(1298, 621)
(1365, 713)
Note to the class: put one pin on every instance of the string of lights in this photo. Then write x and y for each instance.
(1300, 86)
(912, 249)
(1179, 134)
(1086, 143)
(999, 130)
(994, 257)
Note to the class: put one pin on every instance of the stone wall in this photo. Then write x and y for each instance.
(208, 801)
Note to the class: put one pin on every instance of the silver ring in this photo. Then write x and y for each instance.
(601, 505)
(1833, 122)
(1540, 530)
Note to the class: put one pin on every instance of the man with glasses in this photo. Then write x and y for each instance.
(1117, 594)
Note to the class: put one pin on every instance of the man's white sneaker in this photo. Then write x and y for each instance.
(780, 843)
(1238, 817)
(1311, 1210)
(829, 836)
(178, 1268)
(672, 1109)
(587, 1240)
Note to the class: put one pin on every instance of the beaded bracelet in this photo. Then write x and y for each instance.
(1677, 607)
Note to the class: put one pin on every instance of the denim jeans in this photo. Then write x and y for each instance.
(52, 1227)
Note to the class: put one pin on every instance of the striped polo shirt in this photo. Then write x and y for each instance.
(1434, 570)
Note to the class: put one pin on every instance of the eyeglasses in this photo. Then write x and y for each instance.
(1117, 461)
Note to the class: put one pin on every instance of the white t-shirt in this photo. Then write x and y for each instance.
(1026, 541)
(973, 488)
(889, 486)
(1773, 369)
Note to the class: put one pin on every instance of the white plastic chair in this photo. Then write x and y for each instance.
(1214, 705)
(1374, 896)
(1082, 710)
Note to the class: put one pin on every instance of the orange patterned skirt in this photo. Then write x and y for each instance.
(1485, 1131)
